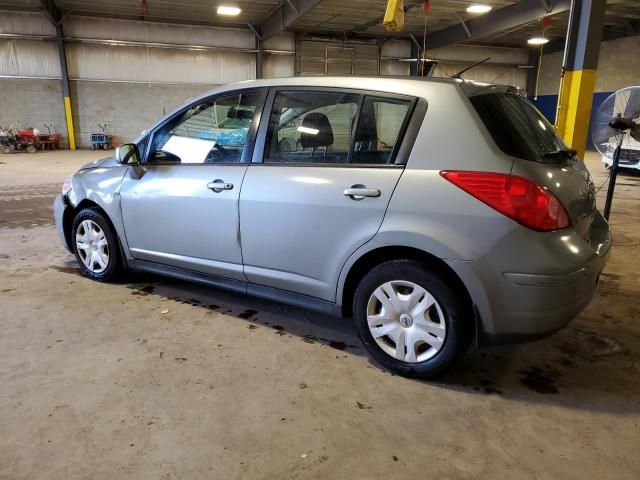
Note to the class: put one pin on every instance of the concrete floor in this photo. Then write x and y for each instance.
(96, 382)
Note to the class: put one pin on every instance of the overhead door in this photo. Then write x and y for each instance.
(337, 58)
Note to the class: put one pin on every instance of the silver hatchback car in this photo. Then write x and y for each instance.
(435, 213)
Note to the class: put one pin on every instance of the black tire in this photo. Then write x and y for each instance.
(456, 314)
(114, 266)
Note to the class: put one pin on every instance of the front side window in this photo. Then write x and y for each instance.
(211, 132)
(311, 127)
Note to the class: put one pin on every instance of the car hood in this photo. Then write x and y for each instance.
(103, 162)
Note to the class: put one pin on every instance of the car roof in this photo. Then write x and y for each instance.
(402, 85)
(415, 86)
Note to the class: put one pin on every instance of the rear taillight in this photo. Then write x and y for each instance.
(518, 198)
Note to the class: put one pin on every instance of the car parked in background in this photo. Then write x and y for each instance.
(435, 213)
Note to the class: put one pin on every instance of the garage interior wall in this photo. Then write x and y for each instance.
(502, 66)
(125, 85)
(128, 73)
(617, 68)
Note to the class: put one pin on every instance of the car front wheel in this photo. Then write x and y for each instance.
(411, 319)
(95, 245)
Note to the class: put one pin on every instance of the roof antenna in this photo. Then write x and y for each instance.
(459, 74)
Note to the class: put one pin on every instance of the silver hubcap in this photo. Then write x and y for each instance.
(92, 246)
(406, 321)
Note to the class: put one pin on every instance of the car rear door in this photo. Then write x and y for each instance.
(323, 172)
(180, 207)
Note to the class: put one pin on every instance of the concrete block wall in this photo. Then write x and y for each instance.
(32, 103)
(618, 67)
(127, 108)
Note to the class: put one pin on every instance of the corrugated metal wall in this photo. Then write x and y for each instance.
(105, 49)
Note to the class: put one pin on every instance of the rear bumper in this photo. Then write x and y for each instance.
(532, 284)
(59, 208)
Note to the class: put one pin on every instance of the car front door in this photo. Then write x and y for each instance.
(323, 172)
(180, 207)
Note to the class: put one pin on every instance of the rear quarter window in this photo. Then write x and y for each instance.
(517, 127)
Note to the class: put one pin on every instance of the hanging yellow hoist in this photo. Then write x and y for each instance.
(394, 16)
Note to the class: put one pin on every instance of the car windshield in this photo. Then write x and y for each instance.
(517, 127)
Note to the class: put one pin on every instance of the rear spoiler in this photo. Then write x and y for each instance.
(471, 88)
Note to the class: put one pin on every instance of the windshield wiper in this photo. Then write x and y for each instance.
(562, 153)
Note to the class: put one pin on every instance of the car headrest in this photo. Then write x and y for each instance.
(318, 131)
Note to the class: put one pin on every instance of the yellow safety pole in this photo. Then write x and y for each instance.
(578, 78)
(65, 87)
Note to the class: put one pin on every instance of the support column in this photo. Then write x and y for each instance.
(414, 67)
(579, 68)
(259, 57)
(259, 50)
(65, 86)
(533, 73)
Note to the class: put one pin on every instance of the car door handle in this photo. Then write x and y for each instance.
(358, 192)
(219, 185)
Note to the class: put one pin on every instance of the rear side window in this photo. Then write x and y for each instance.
(379, 128)
(517, 127)
(334, 128)
(311, 127)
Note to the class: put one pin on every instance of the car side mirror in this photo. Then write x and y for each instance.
(128, 154)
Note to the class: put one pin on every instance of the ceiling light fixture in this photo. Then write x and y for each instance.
(537, 41)
(308, 130)
(479, 8)
(226, 10)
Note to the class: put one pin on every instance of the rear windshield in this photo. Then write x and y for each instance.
(517, 127)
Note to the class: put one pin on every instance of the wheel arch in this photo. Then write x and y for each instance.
(70, 215)
(383, 254)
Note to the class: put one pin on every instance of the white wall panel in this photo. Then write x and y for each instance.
(280, 41)
(277, 66)
(29, 58)
(394, 68)
(396, 49)
(136, 31)
(456, 57)
(474, 53)
(22, 23)
(139, 64)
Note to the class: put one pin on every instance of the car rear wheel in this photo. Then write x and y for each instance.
(411, 319)
(95, 245)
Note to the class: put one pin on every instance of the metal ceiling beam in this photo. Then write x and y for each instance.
(284, 16)
(520, 13)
